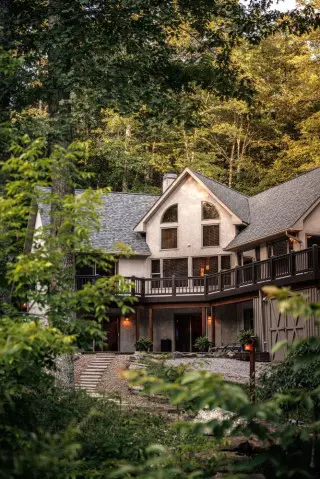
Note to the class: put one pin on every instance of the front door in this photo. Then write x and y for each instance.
(112, 329)
(188, 327)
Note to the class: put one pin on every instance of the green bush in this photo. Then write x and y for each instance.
(144, 344)
(298, 373)
(245, 336)
(202, 343)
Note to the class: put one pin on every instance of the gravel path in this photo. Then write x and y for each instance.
(231, 369)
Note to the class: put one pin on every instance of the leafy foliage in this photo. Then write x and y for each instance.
(245, 337)
(289, 450)
(202, 343)
(144, 344)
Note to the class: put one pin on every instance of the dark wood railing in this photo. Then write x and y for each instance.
(295, 264)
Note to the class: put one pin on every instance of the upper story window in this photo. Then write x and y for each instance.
(170, 215)
(210, 235)
(209, 211)
(169, 238)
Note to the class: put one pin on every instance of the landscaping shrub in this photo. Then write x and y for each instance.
(296, 374)
(202, 343)
(144, 344)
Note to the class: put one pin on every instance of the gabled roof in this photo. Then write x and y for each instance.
(278, 209)
(118, 214)
(235, 201)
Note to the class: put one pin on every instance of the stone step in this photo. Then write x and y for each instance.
(89, 380)
(98, 365)
(91, 376)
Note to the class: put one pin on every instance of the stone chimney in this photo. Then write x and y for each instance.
(167, 180)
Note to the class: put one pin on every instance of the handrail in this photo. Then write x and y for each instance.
(276, 267)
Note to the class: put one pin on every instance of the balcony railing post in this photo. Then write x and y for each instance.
(219, 281)
(143, 287)
(236, 278)
(133, 286)
(174, 289)
(205, 284)
(315, 258)
(253, 273)
(292, 264)
(271, 268)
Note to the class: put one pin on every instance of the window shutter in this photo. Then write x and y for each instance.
(169, 238)
(178, 267)
(211, 235)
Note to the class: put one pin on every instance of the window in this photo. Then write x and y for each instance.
(155, 268)
(210, 235)
(204, 265)
(170, 215)
(257, 250)
(225, 262)
(277, 248)
(85, 270)
(155, 273)
(109, 270)
(313, 239)
(177, 267)
(169, 238)
(209, 211)
(248, 322)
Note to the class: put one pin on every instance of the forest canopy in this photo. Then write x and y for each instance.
(228, 89)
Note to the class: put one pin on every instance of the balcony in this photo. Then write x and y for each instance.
(295, 267)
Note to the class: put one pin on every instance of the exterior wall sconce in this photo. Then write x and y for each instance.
(209, 319)
(126, 320)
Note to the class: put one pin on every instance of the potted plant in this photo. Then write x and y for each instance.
(144, 345)
(245, 337)
(202, 344)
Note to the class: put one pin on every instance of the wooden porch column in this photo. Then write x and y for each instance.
(138, 316)
(213, 326)
(151, 324)
(203, 328)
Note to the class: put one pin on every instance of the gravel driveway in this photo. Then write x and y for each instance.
(231, 369)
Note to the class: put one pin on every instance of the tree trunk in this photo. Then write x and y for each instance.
(62, 181)
(231, 163)
(126, 153)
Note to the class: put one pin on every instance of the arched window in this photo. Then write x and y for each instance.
(209, 211)
(170, 215)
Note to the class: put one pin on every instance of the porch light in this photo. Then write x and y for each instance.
(209, 319)
(248, 347)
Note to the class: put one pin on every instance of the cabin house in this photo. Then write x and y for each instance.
(202, 254)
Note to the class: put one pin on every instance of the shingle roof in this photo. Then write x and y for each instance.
(279, 208)
(235, 201)
(119, 214)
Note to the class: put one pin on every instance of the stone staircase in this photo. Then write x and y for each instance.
(91, 376)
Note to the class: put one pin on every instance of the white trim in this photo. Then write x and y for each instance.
(305, 214)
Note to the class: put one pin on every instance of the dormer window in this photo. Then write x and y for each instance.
(170, 215)
(209, 211)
